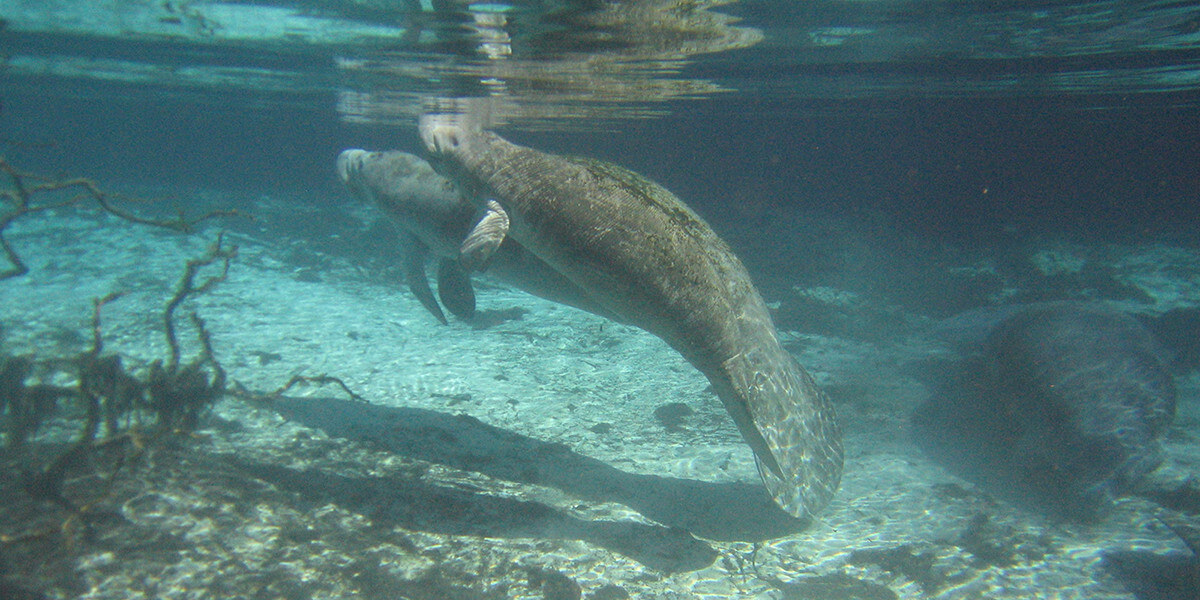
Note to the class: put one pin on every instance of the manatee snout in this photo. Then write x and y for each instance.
(442, 134)
(350, 162)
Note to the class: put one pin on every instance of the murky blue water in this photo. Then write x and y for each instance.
(978, 114)
(879, 166)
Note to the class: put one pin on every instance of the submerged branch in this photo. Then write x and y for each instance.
(187, 287)
(21, 200)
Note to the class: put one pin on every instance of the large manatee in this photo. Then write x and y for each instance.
(1061, 407)
(648, 259)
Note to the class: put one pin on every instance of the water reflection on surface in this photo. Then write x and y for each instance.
(605, 61)
(578, 63)
(537, 62)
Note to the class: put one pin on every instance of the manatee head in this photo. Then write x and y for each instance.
(412, 195)
(458, 147)
(445, 133)
(349, 171)
(396, 176)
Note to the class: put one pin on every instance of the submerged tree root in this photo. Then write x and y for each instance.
(28, 193)
(122, 413)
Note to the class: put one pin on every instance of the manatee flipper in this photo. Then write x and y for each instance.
(454, 289)
(797, 444)
(415, 256)
(483, 241)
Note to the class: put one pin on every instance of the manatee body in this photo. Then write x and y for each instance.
(646, 258)
(1063, 406)
(434, 218)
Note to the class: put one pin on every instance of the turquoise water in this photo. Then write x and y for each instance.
(897, 177)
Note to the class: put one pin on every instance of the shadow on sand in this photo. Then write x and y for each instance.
(716, 511)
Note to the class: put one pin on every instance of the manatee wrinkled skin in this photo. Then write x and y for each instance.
(433, 218)
(645, 257)
(1064, 405)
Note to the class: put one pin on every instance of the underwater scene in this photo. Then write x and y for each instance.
(602, 300)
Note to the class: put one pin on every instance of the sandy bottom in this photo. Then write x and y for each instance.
(519, 457)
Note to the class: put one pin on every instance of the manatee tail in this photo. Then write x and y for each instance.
(797, 423)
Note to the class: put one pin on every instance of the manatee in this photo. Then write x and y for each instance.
(428, 211)
(1061, 408)
(648, 259)
(433, 218)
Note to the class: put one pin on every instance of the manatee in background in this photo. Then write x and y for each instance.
(433, 218)
(1062, 408)
(645, 257)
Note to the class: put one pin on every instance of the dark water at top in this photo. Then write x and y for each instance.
(962, 120)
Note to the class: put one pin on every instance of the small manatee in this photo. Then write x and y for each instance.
(433, 219)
